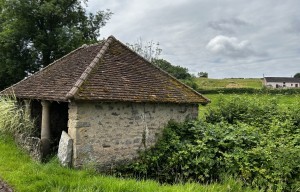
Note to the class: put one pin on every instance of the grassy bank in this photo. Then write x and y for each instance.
(283, 100)
(23, 174)
(207, 83)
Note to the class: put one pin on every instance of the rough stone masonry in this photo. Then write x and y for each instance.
(110, 133)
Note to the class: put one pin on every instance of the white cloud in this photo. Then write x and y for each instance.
(230, 47)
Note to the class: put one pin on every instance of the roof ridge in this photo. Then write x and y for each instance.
(166, 73)
(43, 69)
(89, 68)
(93, 44)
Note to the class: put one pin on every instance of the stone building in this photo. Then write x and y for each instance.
(109, 100)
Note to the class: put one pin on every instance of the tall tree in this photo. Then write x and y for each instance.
(34, 33)
(149, 50)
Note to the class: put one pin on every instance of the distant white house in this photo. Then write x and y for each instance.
(282, 82)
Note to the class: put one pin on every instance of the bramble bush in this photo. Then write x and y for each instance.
(250, 139)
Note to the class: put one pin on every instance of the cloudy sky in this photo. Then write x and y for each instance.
(226, 38)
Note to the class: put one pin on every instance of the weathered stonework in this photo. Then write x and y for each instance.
(31, 144)
(108, 133)
(65, 149)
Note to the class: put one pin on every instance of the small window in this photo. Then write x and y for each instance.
(292, 85)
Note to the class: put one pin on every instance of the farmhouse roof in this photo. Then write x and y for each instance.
(282, 79)
(107, 71)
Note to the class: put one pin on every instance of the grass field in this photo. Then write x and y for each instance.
(283, 100)
(207, 83)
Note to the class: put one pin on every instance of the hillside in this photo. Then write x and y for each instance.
(207, 83)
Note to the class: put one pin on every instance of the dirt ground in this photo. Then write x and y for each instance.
(4, 187)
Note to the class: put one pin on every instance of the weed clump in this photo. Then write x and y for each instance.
(13, 118)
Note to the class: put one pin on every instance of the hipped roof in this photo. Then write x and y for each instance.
(107, 71)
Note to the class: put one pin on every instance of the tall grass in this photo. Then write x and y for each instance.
(13, 118)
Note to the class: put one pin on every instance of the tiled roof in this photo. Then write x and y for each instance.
(107, 71)
(282, 79)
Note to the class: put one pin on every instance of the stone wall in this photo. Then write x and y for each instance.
(30, 144)
(110, 133)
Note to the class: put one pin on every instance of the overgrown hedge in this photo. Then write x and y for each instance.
(287, 91)
(247, 138)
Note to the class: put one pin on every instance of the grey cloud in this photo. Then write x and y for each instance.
(227, 25)
(295, 26)
(254, 33)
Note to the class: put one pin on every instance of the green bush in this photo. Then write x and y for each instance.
(253, 140)
(190, 82)
(13, 118)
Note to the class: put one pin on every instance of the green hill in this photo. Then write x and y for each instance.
(207, 83)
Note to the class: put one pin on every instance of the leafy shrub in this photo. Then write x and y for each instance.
(13, 118)
(253, 140)
(248, 109)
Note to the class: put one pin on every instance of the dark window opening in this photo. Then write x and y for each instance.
(58, 122)
(36, 115)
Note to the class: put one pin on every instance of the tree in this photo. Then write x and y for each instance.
(177, 71)
(297, 75)
(203, 74)
(34, 33)
(150, 51)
